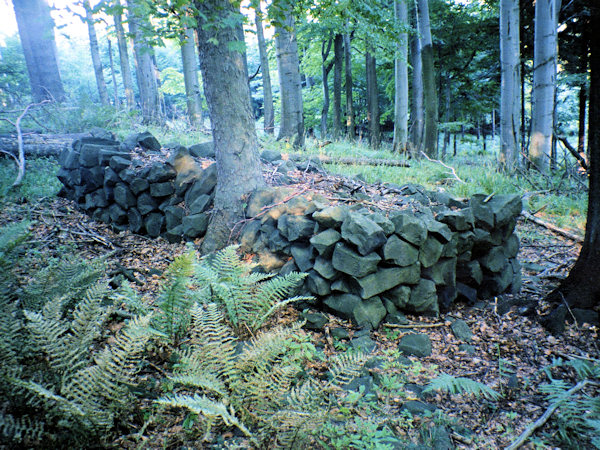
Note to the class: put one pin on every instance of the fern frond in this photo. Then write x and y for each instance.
(128, 297)
(461, 385)
(346, 366)
(205, 381)
(10, 336)
(204, 406)
(89, 315)
(50, 399)
(20, 428)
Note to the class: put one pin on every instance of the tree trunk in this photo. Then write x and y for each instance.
(325, 69)
(372, 99)
(95, 51)
(288, 66)
(350, 126)
(141, 29)
(581, 289)
(124, 59)
(234, 135)
(401, 81)
(338, 58)
(448, 89)
(582, 109)
(544, 83)
(269, 111)
(430, 100)
(36, 31)
(113, 75)
(416, 110)
(190, 78)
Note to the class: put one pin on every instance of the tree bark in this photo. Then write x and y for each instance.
(36, 31)
(510, 92)
(581, 289)
(582, 110)
(544, 83)
(447, 115)
(140, 28)
(325, 69)
(113, 75)
(372, 99)
(401, 81)
(95, 52)
(124, 59)
(350, 126)
(416, 110)
(288, 66)
(269, 111)
(430, 101)
(190, 78)
(234, 136)
(338, 58)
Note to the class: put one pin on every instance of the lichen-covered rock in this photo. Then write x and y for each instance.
(124, 197)
(343, 305)
(348, 261)
(317, 284)
(195, 225)
(415, 344)
(135, 220)
(408, 227)
(430, 251)
(146, 203)
(385, 279)
(325, 241)
(458, 220)
(385, 223)
(303, 256)
(154, 223)
(324, 267)
(200, 204)
(362, 232)
(203, 150)
(399, 296)
(369, 312)
(423, 298)
(161, 172)
(295, 227)
(331, 217)
(163, 189)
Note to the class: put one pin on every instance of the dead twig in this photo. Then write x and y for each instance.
(416, 325)
(446, 166)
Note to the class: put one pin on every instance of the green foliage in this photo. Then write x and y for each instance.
(461, 385)
(39, 181)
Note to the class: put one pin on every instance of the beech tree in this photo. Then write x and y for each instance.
(350, 127)
(269, 110)
(544, 83)
(36, 30)
(401, 80)
(288, 67)
(372, 98)
(416, 108)
(232, 123)
(95, 52)
(123, 56)
(338, 61)
(581, 289)
(325, 69)
(190, 77)
(510, 93)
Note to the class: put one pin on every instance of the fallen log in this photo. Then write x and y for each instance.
(551, 227)
(38, 145)
(351, 161)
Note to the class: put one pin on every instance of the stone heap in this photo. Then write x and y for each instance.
(364, 263)
(367, 264)
(146, 195)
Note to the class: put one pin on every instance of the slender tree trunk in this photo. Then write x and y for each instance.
(401, 81)
(95, 51)
(269, 111)
(36, 31)
(234, 135)
(113, 75)
(447, 119)
(544, 83)
(338, 58)
(581, 289)
(430, 100)
(146, 72)
(325, 69)
(582, 110)
(416, 110)
(350, 126)
(190, 78)
(124, 60)
(372, 98)
(288, 66)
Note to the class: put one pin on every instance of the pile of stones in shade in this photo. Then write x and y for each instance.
(365, 263)
(368, 265)
(133, 185)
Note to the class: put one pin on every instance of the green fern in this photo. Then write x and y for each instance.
(20, 429)
(461, 385)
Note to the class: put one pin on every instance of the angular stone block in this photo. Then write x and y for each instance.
(348, 261)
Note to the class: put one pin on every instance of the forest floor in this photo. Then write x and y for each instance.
(511, 347)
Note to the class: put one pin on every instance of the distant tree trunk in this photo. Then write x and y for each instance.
(372, 98)
(416, 110)
(232, 123)
(401, 81)
(544, 83)
(350, 126)
(325, 69)
(582, 111)
(36, 31)
(581, 289)
(447, 117)
(124, 59)
(338, 58)
(510, 89)
(140, 28)
(288, 66)
(95, 51)
(269, 111)
(113, 75)
(430, 100)
(190, 78)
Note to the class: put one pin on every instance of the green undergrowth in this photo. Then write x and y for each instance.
(39, 181)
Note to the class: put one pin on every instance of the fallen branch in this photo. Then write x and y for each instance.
(39, 145)
(353, 161)
(446, 166)
(544, 418)
(551, 227)
(416, 325)
(578, 156)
